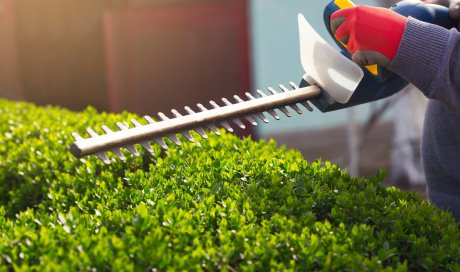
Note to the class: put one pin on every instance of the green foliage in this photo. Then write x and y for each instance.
(220, 204)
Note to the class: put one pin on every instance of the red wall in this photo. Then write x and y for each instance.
(10, 86)
(169, 56)
(143, 56)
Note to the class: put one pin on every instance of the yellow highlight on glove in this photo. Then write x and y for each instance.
(373, 69)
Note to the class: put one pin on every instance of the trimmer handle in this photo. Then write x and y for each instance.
(379, 82)
(430, 13)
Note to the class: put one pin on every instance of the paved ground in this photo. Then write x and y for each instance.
(331, 144)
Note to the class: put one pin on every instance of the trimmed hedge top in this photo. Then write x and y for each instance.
(219, 204)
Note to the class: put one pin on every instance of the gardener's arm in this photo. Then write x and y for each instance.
(424, 54)
(429, 57)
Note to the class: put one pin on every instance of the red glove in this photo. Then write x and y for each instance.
(372, 34)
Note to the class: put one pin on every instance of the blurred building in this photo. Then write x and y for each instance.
(409, 114)
(143, 56)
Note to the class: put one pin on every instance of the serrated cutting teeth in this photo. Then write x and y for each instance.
(281, 108)
(212, 127)
(136, 123)
(163, 116)
(285, 111)
(249, 118)
(189, 110)
(198, 130)
(270, 111)
(201, 107)
(306, 105)
(106, 129)
(130, 148)
(262, 117)
(236, 121)
(149, 119)
(129, 136)
(176, 113)
(188, 136)
(122, 126)
(161, 143)
(174, 139)
(77, 136)
(222, 123)
(258, 114)
(238, 99)
(133, 150)
(214, 104)
(239, 123)
(201, 132)
(92, 133)
(303, 103)
(273, 91)
(118, 153)
(102, 156)
(293, 106)
(146, 145)
(226, 126)
(274, 114)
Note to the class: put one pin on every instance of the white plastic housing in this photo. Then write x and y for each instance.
(325, 66)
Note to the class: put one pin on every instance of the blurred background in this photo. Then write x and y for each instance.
(147, 56)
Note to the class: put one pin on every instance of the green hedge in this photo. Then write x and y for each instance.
(220, 204)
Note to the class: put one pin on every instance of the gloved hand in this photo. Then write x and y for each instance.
(372, 34)
(453, 5)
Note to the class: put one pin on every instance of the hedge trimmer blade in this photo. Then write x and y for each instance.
(325, 67)
(250, 110)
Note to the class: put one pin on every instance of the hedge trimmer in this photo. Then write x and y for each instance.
(332, 81)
